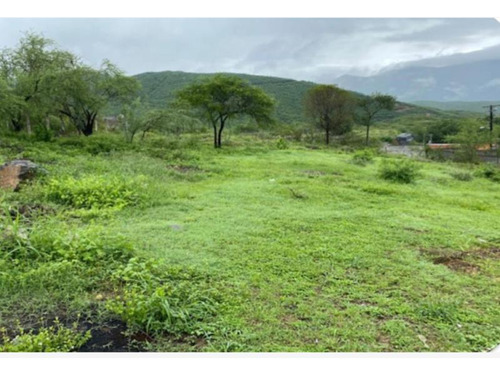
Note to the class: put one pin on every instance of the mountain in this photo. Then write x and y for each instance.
(476, 107)
(470, 81)
(160, 87)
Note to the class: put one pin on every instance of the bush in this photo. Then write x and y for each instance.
(490, 172)
(56, 338)
(362, 157)
(163, 299)
(401, 171)
(92, 192)
(281, 144)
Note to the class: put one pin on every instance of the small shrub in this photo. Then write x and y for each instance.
(490, 172)
(362, 157)
(43, 134)
(92, 192)
(162, 299)
(56, 338)
(401, 171)
(281, 144)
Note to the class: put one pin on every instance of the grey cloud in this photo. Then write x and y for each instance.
(309, 49)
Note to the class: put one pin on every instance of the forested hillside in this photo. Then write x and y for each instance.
(160, 88)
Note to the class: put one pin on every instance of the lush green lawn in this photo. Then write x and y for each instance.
(311, 251)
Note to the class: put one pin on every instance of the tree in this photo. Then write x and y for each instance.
(371, 106)
(84, 92)
(330, 108)
(139, 117)
(52, 82)
(29, 70)
(222, 97)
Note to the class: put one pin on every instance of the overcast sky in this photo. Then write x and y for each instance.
(308, 49)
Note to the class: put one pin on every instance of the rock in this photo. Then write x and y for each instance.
(15, 171)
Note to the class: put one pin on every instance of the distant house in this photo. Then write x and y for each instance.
(404, 138)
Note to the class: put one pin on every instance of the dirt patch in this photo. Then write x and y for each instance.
(463, 261)
(113, 337)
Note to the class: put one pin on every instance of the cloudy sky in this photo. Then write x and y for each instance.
(309, 49)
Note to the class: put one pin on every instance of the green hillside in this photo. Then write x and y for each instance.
(160, 88)
(476, 107)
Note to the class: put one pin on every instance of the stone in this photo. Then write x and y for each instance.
(14, 172)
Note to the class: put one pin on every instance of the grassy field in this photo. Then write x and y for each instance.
(297, 249)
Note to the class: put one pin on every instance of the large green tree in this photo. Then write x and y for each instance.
(52, 83)
(84, 92)
(330, 108)
(29, 71)
(371, 106)
(224, 97)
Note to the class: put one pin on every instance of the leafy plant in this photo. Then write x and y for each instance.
(92, 192)
(401, 171)
(362, 157)
(281, 144)
(490, 172)
(56, 338)
(163, 299)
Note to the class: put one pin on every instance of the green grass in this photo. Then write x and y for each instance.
(309, 251)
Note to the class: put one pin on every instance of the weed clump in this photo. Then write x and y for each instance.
(56, 338)
(362, 157)
(400, 171)
(92, 192)
(161, 299)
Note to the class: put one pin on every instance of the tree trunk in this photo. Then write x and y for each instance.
(367, 134)
(215, 136)
(327, 136)
(219, 136)
(88, 128)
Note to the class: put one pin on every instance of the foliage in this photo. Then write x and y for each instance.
(93, 192)
(55, 338)
(362, 157)
(85, 92)
(222, 98)
(39, 80)
(470, 138)
(490, 172)
(440, 130)
(402, 171)
(162, 299)
(281, 144)
(330, 108)
(139, 117)
(42, 243)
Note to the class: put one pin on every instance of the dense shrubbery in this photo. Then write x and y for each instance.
(490, 172)
(401, 171)
(92, 192)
